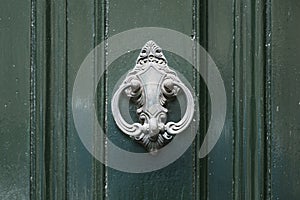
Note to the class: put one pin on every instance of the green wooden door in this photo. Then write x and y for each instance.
(255, 46)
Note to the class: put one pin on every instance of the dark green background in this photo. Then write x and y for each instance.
(256, 46)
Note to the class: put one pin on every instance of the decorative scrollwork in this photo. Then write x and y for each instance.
(150, 85)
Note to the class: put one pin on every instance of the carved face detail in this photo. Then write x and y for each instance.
(150, 84)
(151, 53)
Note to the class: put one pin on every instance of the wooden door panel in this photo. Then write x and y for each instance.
(177, 180)
(81, 40)
(15, 87)
(255, 45)
(284, 49)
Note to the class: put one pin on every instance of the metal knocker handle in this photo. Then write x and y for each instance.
(150, 85)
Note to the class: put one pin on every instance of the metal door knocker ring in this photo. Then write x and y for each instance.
(150, 85)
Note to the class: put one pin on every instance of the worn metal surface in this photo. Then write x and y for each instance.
(151, 84)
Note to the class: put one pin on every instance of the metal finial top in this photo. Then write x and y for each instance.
(151, 52)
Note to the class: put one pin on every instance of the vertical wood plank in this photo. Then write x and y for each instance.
(85, 29)
(38, 99)
(80, 31)
(219, 42)
(285, 99)
(200, 23)
(55, 104)
(100, 31)
(63, 33)
(48, 100)
(176, 180)
(268, 98)
(236, 41)
(249, 92)
(14, 102)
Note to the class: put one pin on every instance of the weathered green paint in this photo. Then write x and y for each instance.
(85, 30)
(80, 27)
(161, 182)
(220, 45)
(248, 111)
(15, 99)
(177, 180)
(255, 45)
(285, 100)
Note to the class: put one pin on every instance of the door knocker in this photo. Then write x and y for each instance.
(150, 85)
